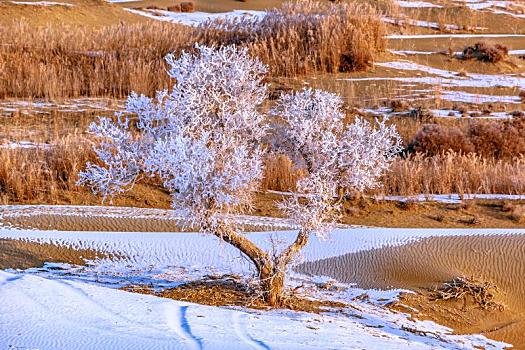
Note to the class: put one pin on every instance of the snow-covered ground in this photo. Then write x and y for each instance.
(459, 36)
(10, 211)
(445, 78)
(414, 52)
(197, 18)
(420, 23)
(41, 3)
(417, 4)
(64, 307)
(38, 313)
(24, 144)
(73, 105)
(440, 113)
(452, 197)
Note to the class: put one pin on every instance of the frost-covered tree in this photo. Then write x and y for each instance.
(204, 140)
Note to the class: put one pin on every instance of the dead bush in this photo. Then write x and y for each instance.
(482, 293)
(174, 8)
(491, 139)
(516, 212)
(485, 52)
(433, 139)
(399, 105)
(187, 6)
(522, 95)
(500, 140)
(421, 114)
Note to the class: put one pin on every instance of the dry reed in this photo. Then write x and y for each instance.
(280, 173)
(454, 173)
(55, 62)
(42, 172)
(45, 173)
(301, 37)
(419, 174)
(306, 36)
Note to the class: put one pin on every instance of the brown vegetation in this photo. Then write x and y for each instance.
(491, 139)
(229, 290)
(47, 173)
(454, 173)
(57, 62)
(485, 52)
(280, 173)
(42, 172)
(187, 6)
(301, 37)
(522, 95)
(306, 36)
(435, 138)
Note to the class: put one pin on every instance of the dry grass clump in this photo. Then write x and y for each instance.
(435, 138)
(231, 291)
(516, 212)
(301, 37)
(485, 52)
(280, 173)
(482, 293)
(491, 139)
(384, 7)
(305, 36)
(53, 62)
(522, 96)
(454, 173)
(40, 173)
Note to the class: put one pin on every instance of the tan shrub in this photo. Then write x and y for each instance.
(433, 139)
(485, 52)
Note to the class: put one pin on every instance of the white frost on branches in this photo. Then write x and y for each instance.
(203, 138)
(337, 157)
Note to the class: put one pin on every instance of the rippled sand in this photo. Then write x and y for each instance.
(432, 261)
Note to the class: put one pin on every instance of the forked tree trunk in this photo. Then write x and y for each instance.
(271, 271)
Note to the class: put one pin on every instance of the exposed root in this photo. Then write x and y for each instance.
(483, 293)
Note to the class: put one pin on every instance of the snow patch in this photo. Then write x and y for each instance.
(417, 4)
(57, 314)
(437, 36)
(197, 18)
(41, 3)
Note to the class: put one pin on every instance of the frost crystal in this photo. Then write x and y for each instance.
(337, 157)
(203, 138)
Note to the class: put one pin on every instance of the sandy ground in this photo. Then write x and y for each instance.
(415, 260)
(16, 254)
(470, 214)
(432, 261)
(416, 266)
(90, 13)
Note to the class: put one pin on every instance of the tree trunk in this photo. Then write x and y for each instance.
(272, 285)
(271, 271)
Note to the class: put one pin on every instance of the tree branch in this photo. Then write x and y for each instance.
(258, 256)
(289, 253)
